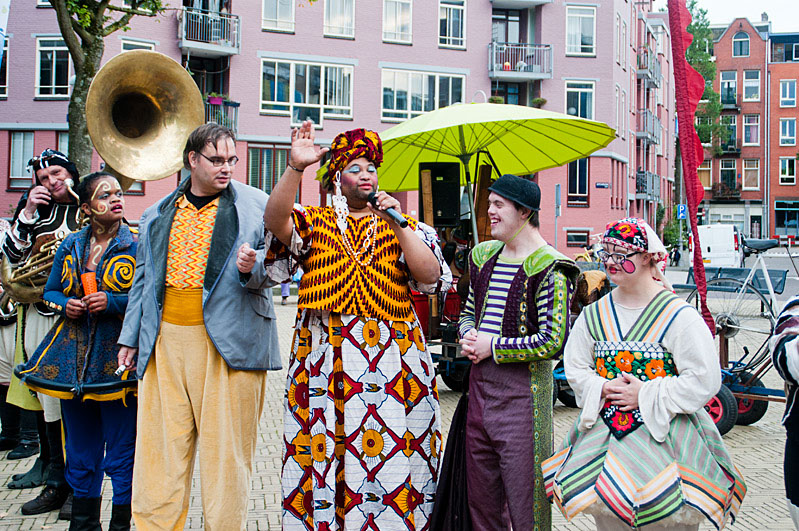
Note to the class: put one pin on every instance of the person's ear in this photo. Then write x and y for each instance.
(192, 159)
(86, 210)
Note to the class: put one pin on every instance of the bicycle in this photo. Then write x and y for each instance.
(745, 313)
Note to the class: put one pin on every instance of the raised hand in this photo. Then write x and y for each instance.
(303, 151)
(39, 195)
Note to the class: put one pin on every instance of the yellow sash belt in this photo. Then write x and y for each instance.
(183, 306)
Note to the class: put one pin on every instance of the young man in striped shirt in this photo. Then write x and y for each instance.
(515, 320)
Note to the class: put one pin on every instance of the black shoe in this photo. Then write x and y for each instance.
(50, 499)
(66, 510)
(32, 478)
(86, 515)
(7, 443)
(120, 518)
(22, 451)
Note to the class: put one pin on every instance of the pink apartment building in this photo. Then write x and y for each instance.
(374, 63)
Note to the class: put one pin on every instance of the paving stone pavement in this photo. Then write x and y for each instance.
(757, 451)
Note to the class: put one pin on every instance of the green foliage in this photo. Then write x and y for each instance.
(496, 99)
(538, 102)
(671, 232)
(88, 13)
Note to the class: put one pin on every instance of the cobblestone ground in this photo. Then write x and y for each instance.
(757, 451)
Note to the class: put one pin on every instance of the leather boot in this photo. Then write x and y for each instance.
(120, 518)
(66, 510)
(50, 499)
(32, 478)
(85, 514)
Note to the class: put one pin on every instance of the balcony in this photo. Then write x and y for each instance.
(729, 100)
(226, 113)
(518, 4)
(208, 34)
(649, 68)
(731, 147)
(726, 191)
(519, 62)
(648, 126)
(647, 186)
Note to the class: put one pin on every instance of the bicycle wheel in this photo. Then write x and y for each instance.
(743, 314)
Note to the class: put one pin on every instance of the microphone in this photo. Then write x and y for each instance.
(393, 214)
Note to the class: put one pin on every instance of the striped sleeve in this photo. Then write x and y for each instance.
(552, 306)
(467, 321)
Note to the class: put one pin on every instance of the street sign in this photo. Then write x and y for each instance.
(682, 211)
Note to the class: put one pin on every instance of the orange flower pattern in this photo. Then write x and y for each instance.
(611, 363)
(624, 360)
(655, 369)
(600, 367)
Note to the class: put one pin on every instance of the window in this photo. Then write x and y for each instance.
(740, 44)
(624, 45)
(265, 165)
(580, 99)
(751, 85)
(751, 129)
(278, 15)
(727, 173)
(396, 20)
(578, 183)
(624, 114)
(306, 90)
(4, 72)
(451, 23)
(577, 238)
(787, 93)
(506, 25)
(509, 92)
(751, 174)
(786, 217)
(43, 3)
(729, 87)
(21, 152)
(787, 170)
(63, 142)
(787, 131)
(580, 30)
(407, 94)
(128, 45)
(618, 38)
(617, 121)
(340, 18)
(705, 172)
(731, 122)
(52, 65)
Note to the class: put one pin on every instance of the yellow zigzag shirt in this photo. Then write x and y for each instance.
(189, 243)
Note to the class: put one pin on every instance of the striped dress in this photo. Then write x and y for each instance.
(656, 462)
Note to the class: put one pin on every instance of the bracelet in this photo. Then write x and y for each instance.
(295, 168)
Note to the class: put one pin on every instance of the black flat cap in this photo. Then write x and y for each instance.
(525, 193)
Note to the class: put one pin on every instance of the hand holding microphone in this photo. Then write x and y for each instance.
(390, 211)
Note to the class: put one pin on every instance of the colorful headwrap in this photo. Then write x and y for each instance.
(636, 235)
(51, 157)
(351, 145)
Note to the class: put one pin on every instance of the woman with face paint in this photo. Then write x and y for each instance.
(77, 360)
(642, 363)
(361, 418)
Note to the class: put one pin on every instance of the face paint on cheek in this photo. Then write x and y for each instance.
(628, 267)
(101, 188)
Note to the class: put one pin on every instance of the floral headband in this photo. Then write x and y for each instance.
(351, 145)
(636, 235)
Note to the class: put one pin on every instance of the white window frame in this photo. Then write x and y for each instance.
(398, 6)
(445, 9)
(62, 141)
(624, 45)
(4, 82)
(734, 169)
(339, 31)
(43, 3)
(710, 173)
(37, 69)
(324, 103)
(414, 76)
(581, 11)
(618, 38)
(750, 83)
(733, 83)
(617, 120)
(278, 24)
(757, 124)
(735, 39)
(785, 100)
(743, 177)
(786, 178)
(137, 45)
(20, 152)
(592, 90)
(624, 114)
(786, 139)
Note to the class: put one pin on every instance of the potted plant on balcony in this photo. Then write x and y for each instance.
(215, 98)
(538, 102)
(496, 99)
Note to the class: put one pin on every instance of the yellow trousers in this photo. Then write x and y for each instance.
(189, 397)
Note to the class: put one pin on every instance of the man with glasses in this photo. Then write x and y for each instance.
(201, 322)
(46, 212)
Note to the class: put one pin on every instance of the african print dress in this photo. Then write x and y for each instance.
(665, 459)
(361, 420)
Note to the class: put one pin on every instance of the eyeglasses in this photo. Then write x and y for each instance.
(219, 161)
(617, 258)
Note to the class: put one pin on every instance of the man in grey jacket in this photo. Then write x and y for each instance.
(201, 321)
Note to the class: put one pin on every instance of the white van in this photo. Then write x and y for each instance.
(721, 245)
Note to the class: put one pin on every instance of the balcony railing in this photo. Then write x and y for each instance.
(519, 61)
(648, 126)
(647, 185)
(725, 190)
(226, 113)
(209, 33)
(649, 68)
(729, 99)
(731, 146)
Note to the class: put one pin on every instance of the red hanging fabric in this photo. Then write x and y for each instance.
(689, 86)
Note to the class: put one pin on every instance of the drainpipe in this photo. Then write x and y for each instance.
(765, 232)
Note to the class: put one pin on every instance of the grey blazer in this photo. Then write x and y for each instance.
(237, 309)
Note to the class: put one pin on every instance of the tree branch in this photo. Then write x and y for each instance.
(130, 11)
(65, 24)
(119, 24)
(84, 35)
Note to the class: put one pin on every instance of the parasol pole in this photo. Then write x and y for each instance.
(465, 157)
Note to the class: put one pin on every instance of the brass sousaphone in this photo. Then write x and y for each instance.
(140, 110)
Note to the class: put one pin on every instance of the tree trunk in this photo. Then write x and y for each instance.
(80, 145)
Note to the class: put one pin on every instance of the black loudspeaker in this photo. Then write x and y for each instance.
(446, 185)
